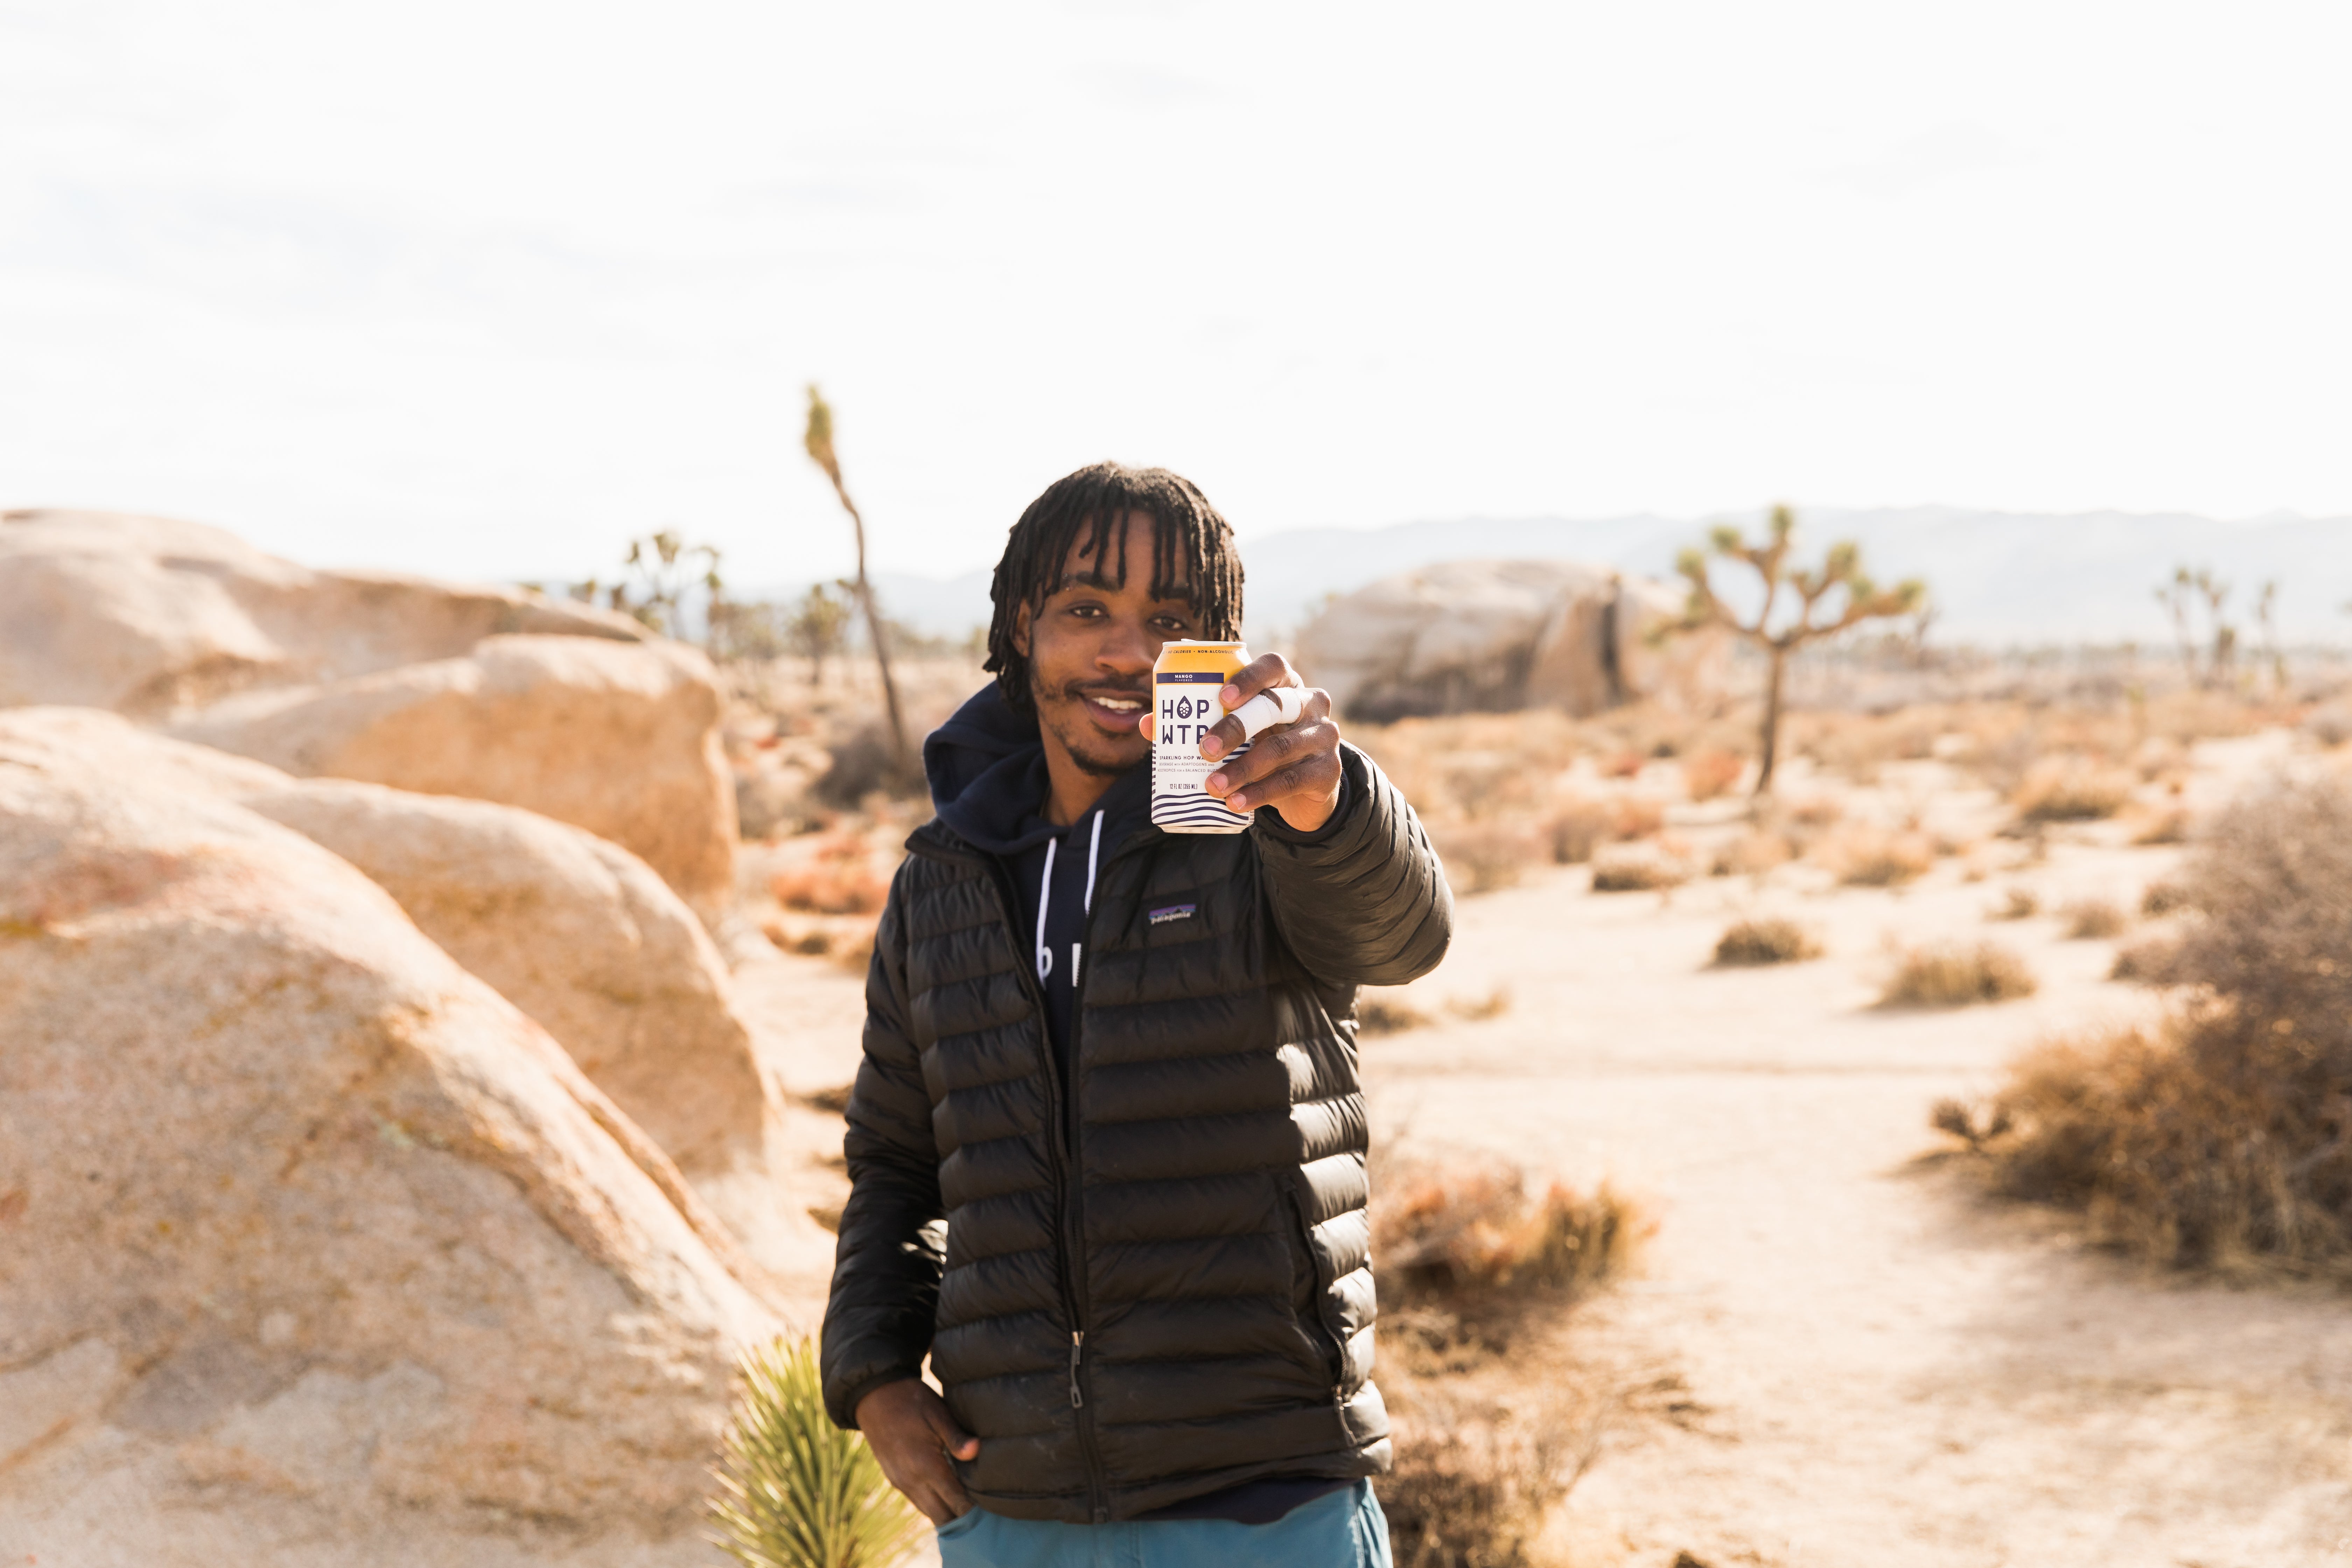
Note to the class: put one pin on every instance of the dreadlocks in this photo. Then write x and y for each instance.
(1192, 555)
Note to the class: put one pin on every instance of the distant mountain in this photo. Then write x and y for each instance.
(1997, 577)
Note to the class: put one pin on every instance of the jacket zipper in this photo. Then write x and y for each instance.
(1062, 1148)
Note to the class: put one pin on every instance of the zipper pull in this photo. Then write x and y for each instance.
(1077, 1342)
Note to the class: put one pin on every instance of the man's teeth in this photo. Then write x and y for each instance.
(1121, 704)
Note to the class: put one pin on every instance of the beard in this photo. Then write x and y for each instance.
(1063, 710)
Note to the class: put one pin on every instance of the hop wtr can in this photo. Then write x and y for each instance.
(1184, 686)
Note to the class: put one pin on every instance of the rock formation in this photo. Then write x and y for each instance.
(311, 1245)
(619, 739)
(1497, 636)
(491, 694)
(577, 932)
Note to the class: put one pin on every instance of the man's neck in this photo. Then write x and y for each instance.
(1071, 791)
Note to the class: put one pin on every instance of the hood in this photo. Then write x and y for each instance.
(986, 767)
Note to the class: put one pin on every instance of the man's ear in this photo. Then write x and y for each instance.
(1020, 631)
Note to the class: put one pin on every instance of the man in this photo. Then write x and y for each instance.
(1120, 1065)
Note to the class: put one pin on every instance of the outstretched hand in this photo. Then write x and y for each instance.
(1293, 767)
(908, 1426)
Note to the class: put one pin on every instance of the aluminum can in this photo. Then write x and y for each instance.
(1185, 681)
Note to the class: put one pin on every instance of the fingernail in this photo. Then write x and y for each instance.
(1237, 801)
(1213, 782)
(1229, 696)
(1211, 746)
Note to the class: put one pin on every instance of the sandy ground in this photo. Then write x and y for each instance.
(1837, 1354)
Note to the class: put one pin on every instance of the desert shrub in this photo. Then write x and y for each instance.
(2148, 961)
(2069, 790)
(1482, 857)
(867, 764)
(795, 1490)
(1955, 975)
(2331, 726)
(1636, 873)
(1636, 817)
(2162, 899)
(1470, 1495)
(1751, 855)
(2094, 920)
(836, 876)
(1622, 766)
(1471, 1235)
(1478, 1009)
(1961, 1119)
(814, 941)
(1874, 858)
(2164, 827)
(1382, 1013)
(1578, 828)
(2016, 904)
(1706, 774)
(1815, 811)
(2222, 1139)
(1772, 939)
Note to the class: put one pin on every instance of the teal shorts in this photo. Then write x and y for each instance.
(1338, 1530)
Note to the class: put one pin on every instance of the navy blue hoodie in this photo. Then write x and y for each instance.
(986, 767)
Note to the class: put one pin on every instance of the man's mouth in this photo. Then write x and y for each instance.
(1113, 709)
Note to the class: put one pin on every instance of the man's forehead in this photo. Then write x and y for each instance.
(1109, 582)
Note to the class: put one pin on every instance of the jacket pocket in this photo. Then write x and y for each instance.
(1306, 1283)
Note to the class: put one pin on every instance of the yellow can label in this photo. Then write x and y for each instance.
(1184, 686)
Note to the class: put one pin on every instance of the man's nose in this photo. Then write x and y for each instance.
(1128, 649)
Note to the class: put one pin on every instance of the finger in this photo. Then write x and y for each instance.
(1229, 732)
(954, 1439)
(1318, 776)
(1274, 748)
(1266, 669)
(1315, 772)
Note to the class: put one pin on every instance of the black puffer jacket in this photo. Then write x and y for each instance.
(1152, 1284)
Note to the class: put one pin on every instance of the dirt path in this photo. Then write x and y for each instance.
(1838, 1356)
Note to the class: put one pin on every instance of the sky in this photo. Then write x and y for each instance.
(485, 288)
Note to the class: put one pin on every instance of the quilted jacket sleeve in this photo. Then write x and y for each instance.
(887, 1268)
(1361, 901)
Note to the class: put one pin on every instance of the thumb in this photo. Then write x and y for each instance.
(952, 1437)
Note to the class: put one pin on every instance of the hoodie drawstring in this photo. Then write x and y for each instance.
(1094, 856)
(1045, 898)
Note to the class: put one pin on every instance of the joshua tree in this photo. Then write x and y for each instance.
(1825, 603)
(819, 441)
(2267, 616)
(816, 627)
(657, 578)
(2179, 596)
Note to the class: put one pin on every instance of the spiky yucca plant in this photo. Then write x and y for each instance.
(796, 1491)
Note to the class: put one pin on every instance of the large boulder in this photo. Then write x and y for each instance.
(311, 1245)
(1498, 635)
(618, 738)
(577, 932)
(487, 693)
(151, 616)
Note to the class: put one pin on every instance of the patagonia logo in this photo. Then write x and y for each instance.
(1172, 912)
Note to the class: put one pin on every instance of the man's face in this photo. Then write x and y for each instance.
(1090, 647)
